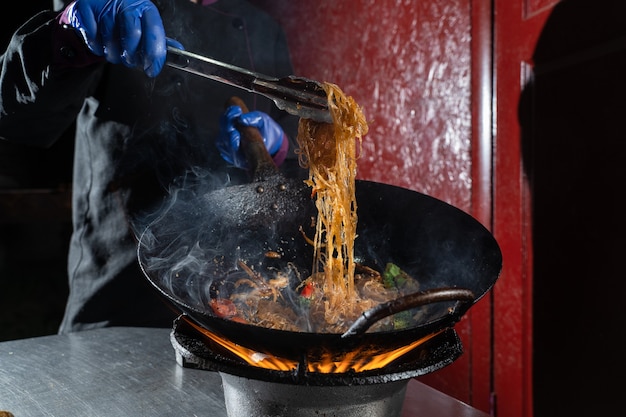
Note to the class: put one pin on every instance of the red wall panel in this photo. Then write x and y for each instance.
(407, 64)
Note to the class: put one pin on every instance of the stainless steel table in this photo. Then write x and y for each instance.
(122, 371)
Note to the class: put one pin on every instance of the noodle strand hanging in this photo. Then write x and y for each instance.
(329, 153)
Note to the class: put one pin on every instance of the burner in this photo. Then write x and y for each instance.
(252, 391)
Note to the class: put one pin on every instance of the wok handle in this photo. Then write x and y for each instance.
(259, 160)
(371, 316)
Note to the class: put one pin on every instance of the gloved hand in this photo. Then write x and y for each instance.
(229, 138)
(129, 32)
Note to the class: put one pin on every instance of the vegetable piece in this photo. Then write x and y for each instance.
(223, 308)
(402, 320)
(307, 290)
(395, 277)
(306, 295)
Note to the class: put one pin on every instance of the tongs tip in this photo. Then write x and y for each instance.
(302, 97)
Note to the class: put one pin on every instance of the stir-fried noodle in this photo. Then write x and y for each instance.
(329, 151)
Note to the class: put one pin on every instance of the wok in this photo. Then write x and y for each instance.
(194, 247)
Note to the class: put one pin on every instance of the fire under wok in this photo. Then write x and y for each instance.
(194, 249)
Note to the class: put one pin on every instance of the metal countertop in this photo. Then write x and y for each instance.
(127, 371)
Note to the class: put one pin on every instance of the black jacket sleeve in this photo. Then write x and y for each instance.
(45, 75)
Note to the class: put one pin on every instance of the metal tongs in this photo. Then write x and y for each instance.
(298, 96)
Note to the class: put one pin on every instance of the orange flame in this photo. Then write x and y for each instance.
(251, 357)
(358, 360)
(361, 360)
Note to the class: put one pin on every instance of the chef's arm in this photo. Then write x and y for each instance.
(54, 61)
(44, 79)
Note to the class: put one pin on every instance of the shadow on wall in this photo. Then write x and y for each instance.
(574, 141)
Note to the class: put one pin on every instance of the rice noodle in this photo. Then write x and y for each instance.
(329, 151)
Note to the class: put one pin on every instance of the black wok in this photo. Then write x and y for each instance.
(194, 245)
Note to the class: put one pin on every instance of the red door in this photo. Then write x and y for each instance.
(568, 127)
(517, 25)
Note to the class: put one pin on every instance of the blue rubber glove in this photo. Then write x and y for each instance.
(129, 32)
(229, 138)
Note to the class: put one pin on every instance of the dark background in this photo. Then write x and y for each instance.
(34, 221)
(572, 120)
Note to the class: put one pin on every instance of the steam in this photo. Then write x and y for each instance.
(173, 257)
(209, 239)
